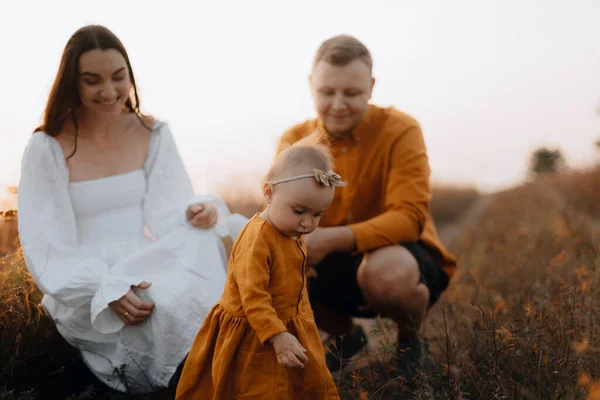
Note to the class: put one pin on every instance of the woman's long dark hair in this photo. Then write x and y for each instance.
(64, 97)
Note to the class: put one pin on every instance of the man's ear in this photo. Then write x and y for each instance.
(372, 86)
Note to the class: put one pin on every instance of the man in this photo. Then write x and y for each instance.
(377, 251)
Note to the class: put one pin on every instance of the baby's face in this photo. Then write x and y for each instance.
(295, 207)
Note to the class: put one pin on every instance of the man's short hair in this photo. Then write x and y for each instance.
(341, 50)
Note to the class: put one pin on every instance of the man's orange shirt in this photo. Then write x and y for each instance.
(386, 201)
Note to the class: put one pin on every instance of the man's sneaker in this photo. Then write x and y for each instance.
(342, 348)
(408, 356)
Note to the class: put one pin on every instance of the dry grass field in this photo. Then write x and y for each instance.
(521, 319)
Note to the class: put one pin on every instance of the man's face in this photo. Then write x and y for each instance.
(341, 94)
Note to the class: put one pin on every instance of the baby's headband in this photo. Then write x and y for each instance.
(324, 178)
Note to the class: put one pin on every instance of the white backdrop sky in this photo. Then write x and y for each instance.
(489, 81)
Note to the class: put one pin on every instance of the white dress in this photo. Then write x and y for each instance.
(85, 244)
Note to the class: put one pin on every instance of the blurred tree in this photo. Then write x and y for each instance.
(546, 161)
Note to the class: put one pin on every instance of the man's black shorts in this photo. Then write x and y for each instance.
(336, 285)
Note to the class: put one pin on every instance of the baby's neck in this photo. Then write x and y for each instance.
(265, 215)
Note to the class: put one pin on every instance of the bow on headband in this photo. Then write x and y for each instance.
(329, 178)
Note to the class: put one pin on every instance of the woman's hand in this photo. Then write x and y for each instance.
(289, 351)
(202, 215)
(130, 308)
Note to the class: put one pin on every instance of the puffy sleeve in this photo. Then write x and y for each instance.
(170, 192)
(48, 235)
(252, 272)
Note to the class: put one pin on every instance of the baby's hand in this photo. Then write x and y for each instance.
(290, 352)
(202, 215)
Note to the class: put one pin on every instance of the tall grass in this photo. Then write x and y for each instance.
(580, 189)
(449, 203)
(521, 319)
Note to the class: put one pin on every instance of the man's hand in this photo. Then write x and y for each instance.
(317, 246)
(202, 215)
(324, 241)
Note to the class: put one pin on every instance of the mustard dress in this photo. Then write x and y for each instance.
(265, 294)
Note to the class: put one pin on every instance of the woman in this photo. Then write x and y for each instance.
(103, 201)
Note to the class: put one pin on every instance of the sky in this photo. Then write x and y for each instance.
(489, 81)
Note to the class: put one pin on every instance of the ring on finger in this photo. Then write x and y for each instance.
(126, 313)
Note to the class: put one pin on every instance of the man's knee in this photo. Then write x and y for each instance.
(389, 275)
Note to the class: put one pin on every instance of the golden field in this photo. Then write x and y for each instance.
(520, 320)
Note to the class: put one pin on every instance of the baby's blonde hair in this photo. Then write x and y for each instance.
(301, 157)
